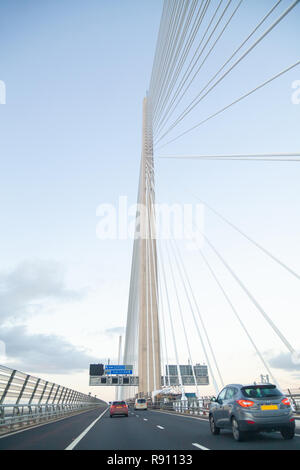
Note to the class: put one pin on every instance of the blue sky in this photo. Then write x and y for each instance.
(76, 73)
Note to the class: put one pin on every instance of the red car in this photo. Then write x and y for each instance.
(118, 408)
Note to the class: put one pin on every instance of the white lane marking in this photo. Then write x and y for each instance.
(137, 416)
(81, 436)
(190, 417)
(180, 416)
(145, 419)
(199, 446)
(29, 428)
(160, 427)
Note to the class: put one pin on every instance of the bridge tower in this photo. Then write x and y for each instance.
(142, 340)
(149, 366)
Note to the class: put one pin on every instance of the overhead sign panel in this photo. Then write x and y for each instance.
(118, 381)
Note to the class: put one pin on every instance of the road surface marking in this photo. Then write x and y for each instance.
(145, 419)
(199, 446)
(29, 428)
(81, 436)
(160, 427)
(181, 416)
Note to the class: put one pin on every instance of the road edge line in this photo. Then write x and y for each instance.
(81, 436)
(52, 421)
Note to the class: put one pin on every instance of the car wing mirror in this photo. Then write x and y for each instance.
(213, 399)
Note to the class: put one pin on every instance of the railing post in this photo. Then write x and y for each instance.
(43, 392)
(50, 393)
(34, 390)
(65, 397)
(7, 386)
(58, 388)
(22, 389)
(60, 396)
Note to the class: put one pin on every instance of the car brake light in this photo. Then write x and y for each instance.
(286, 401)
(245, 403)
(251, 422)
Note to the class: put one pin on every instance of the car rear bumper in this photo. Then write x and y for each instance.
(267, 425)
(119, 412)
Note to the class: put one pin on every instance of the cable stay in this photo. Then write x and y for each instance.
(198, 330)
(182, 320)
(260, 247)
(175, 101)
(199, 98)
(161, 263)
(274, 157)
(223, 66)
(181, 269)
(250, 296)
(234, 102)
(237, 316)
(192, 37)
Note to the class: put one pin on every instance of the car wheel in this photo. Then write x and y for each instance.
(287, 433)
(237, 433)
(111, 416)
(214, 429)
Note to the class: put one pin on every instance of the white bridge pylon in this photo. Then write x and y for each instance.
(142, 342)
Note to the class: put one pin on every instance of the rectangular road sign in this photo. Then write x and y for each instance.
(118, 372)
(117, 367)
(111, 381)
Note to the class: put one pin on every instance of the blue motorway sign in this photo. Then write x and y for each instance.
(110, 367)
(119, 372)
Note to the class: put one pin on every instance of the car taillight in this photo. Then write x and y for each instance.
(286, 401)
(245, 403)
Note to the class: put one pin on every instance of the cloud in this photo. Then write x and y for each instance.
(283, 361)
(43, 353)
(24, 289)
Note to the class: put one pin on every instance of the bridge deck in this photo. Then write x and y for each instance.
(143, 430)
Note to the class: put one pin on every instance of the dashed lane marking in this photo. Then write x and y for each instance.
(199, 446)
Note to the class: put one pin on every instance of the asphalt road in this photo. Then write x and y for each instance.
(142, 430)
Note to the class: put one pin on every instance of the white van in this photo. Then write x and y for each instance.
(140, 404)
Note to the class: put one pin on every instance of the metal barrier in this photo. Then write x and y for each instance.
(294, 395)
(25, 399)
(200, 407)
(192, 407)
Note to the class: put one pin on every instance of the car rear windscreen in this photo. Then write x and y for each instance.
(116, 403)
(141, 400)
(261, 391)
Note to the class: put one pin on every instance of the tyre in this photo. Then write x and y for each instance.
(287, 433)
(111, 416)
(237, 433)
(214, 429)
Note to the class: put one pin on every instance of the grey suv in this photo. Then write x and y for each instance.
(251, 408)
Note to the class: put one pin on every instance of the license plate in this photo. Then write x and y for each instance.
(269, 407)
